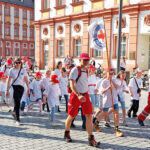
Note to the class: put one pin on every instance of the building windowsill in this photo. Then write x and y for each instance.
(77, 3)
(96, 0)
(60, 7)
(45, 10)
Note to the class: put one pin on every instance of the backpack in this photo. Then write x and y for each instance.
(79, 75)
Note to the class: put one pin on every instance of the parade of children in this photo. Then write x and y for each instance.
(70, 87)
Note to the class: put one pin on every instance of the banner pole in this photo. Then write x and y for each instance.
(109, 65)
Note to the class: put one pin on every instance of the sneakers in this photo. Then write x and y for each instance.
(125, 123)
(18, 123)
(97, 128)
(107, 125)
(141, 123)
(67, 136)
(135, 116)
(92, 141)
(118, 133)
(129, 114)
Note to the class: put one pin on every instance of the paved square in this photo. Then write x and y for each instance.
(37, 134)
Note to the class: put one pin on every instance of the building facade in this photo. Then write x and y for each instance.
(61, 30)
(16, 28)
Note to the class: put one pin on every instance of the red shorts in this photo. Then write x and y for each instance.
(74, 104)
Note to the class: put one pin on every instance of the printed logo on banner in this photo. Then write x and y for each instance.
(99, 36)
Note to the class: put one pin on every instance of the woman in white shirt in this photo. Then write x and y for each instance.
(58, 68)
(123, 64)
(17, 75)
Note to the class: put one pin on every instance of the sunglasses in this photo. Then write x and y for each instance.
(17, 62)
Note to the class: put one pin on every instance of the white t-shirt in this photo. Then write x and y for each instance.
(121, 88)
(107, 102)
(82, 84)
(45, 81)
(98, 85)
(123, 64)
(13, 73)
(2, 86)
(36, 86)
(92, 80)
(6, 71)
(57, 72)
(134, 88)
(52, 92)
(63, 83)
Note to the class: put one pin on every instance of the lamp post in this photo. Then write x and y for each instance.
(119, 37)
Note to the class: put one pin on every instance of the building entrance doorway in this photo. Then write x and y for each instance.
(46, 49)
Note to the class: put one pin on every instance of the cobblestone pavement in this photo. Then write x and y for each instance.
(37, 134)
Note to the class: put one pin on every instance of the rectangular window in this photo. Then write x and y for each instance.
(0, 9)
(0, 28)
(97, 53)
(16, 12)
(32, 52)
(7, 51)
(76, 1)
(24, 32)
(24, 52)
(7, 11)
(16, 31)
(31, 33)
(16, 52)
(31, 16)
(60, 2)
(7, 31)
(0, 51)
(46, 4)
(60, 48)
(123, 46)
(77, 47)
(24, 14)
(21, 0)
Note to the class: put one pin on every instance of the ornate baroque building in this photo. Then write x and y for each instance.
(61, 30)
(16, 28)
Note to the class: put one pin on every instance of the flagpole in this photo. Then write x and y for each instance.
(109, 65)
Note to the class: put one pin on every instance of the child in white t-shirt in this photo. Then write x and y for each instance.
(36, 91)
(109, 90)
(63, 83)
(135, 86)
(45, 82)
(92, 80)
(122, 88)
(52, 93)
(3, 98)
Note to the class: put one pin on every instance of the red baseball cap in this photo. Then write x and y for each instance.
(54, 78)
(92, 67)
(3, 76)
(84, 56)
(110, 70)
(9, 61)
(24, 58)
(38, 74)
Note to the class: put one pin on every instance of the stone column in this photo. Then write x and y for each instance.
(67, 41)
(52, 46)
(85, 38)
(38, 45)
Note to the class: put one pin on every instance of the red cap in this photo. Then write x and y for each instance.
(110, 70)
(9, 61)
(54, 78)
(3, 76)
(38, 74)
(84, 56)
(92, 67)
(24, 58)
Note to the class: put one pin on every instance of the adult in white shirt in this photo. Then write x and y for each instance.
(80, 96)
(123, 64)
(135, 85)
(18, 76)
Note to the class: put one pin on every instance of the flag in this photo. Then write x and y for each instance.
(97, 36)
